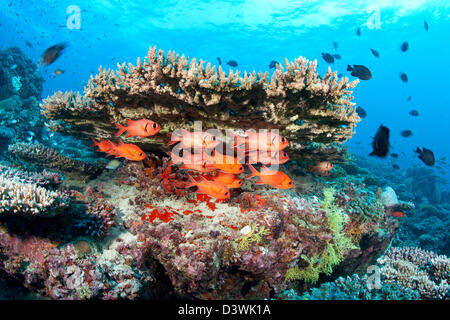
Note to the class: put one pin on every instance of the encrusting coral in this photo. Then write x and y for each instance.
(43, 156)
(175, 91)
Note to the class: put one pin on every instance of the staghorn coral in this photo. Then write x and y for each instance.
(316, 114)
(417, 269)
(47, 157)
(43, 179)
(29, 199)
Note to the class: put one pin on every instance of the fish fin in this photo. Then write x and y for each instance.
(418, 150)
(259, 182)
(122, 129)
(349, 68)
(254, 172)
(193, 182)
(95, 142)
(175, 139)
(129, 121)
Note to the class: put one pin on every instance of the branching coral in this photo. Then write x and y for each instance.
(46, 157)
(417, 269)
(174, 91)
(28, 199)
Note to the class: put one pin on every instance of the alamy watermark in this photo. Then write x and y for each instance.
(73, 21)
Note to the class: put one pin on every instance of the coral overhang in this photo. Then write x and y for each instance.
(175, 91)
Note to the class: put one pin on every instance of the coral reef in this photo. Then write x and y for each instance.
(314, 113)
(47, 157)
(417, 269)
(20, 93)
(29, 199)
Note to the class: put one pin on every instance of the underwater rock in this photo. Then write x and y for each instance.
(174, 92)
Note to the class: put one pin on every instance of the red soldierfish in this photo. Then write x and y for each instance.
(211, 188)
(139, 128)
(197, 140)
(276, 179)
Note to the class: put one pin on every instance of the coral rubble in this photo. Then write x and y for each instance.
(311, 111)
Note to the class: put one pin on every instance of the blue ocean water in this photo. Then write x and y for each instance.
(255, 32)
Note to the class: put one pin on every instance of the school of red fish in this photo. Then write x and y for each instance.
(258, 147)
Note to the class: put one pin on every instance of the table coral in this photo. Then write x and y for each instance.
(175, 91)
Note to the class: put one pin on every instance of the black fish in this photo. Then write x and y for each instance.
(335, 45)
(380, 143)
(340, 75)
(425, 24)
(232, 63)
(361, 112)
(404, 47)
(375, 52)
(360, 71)
(395, 167)
(414, 113)
(51, 54)
(328, 57)
(409, 98)
(337, 56)
(404, 77)
(427, 156)
(358, 32)
(394, 155)
(273, 64)
(220, 61)
(28, 44)
(406, 133)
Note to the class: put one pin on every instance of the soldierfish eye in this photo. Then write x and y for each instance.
(154, 126)
(214, 138)
(283, 139)
(226, 193)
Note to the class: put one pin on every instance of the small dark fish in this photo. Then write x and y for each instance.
(335, 45)
(414, 113)
(361, 112)
(425, 24)
(57, 72)
(117, 25)
(273, 64)
(404, 77)
(380, 143)
(427, 156)
(28, 44)
(51, 54)
(220, 61)
(394, 155)
(340, 75)
(232, 63)
(337, 56)
(404, 47)
(375, 53)
(395, 167)
(360, 71)
(328, 57)
(406, 133)
(358, 32)
(409, 98)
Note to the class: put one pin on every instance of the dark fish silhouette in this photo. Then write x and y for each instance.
(380, 143)
(29, 44)
(232, 63)
(414, 113)
(358, 32)
(273, 64)
(427, 156)
(340, 75)
(328, 57)
(361, 112)
(220, 61)
(404, 47)
(335, 45)
(375, 52)
(406, 133)
(404, 77)
(394, 155)
(425, 24)
(395, 167)
(409, 98)
(360, 71)
(51, 54)
(337, 56)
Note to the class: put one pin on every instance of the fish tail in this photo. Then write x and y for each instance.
(193, 182)
(95, 143)
(254, 172)
(175, 139)
(418, 150)
(349, 68)
(122, 129)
